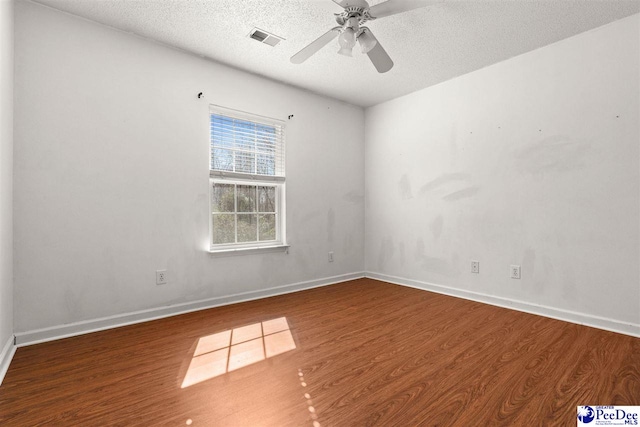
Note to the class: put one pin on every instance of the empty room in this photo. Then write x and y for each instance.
(319, 213)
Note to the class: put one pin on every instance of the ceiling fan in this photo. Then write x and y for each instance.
(350, 30)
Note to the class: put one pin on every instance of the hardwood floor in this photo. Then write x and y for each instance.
(366, 353)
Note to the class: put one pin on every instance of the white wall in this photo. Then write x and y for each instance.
(111, 175)
(532, 161)
(6, 174)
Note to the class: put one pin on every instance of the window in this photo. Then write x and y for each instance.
(247, 180)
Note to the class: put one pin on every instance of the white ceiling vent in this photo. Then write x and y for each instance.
(264, 37)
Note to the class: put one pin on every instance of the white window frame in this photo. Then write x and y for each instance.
(239, 178)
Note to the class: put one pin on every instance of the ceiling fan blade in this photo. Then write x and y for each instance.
(379, 57)
(391, 7)
(315, 46)
(352, 3)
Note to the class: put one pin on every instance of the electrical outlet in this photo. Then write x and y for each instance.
(475, 267)
(161, 277)
(331, 256)
(515, 271)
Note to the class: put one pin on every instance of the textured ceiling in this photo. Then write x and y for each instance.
(428, 45)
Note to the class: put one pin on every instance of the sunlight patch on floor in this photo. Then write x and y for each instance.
(233, 349)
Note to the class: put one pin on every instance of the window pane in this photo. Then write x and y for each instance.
(224, 141)
(245, 135)
(245, 162)
(246, 198)
(266, 164)
(220, 131)
(265, 139)
(223, 228)
(223, 198)
(267, 227)
(266, 199)
(222, 159)
(247, 227)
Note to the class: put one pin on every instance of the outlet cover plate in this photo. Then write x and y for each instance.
(515, 272)
(475, 267)
(161, 277)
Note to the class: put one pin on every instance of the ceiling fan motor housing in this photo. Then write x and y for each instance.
(360, 13)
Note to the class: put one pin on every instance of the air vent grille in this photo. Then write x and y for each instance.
(265, 37)
(258, 35)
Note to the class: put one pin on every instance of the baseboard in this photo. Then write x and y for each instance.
(85, 327)
(541, 310)
(6, 356)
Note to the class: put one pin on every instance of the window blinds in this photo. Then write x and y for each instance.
(243, 145)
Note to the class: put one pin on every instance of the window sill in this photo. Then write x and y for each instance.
(247, 251)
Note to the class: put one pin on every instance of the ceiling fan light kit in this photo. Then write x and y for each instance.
(367, 42)
(356, 13)
(347, 41)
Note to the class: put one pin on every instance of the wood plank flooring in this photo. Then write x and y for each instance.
(366, 353)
